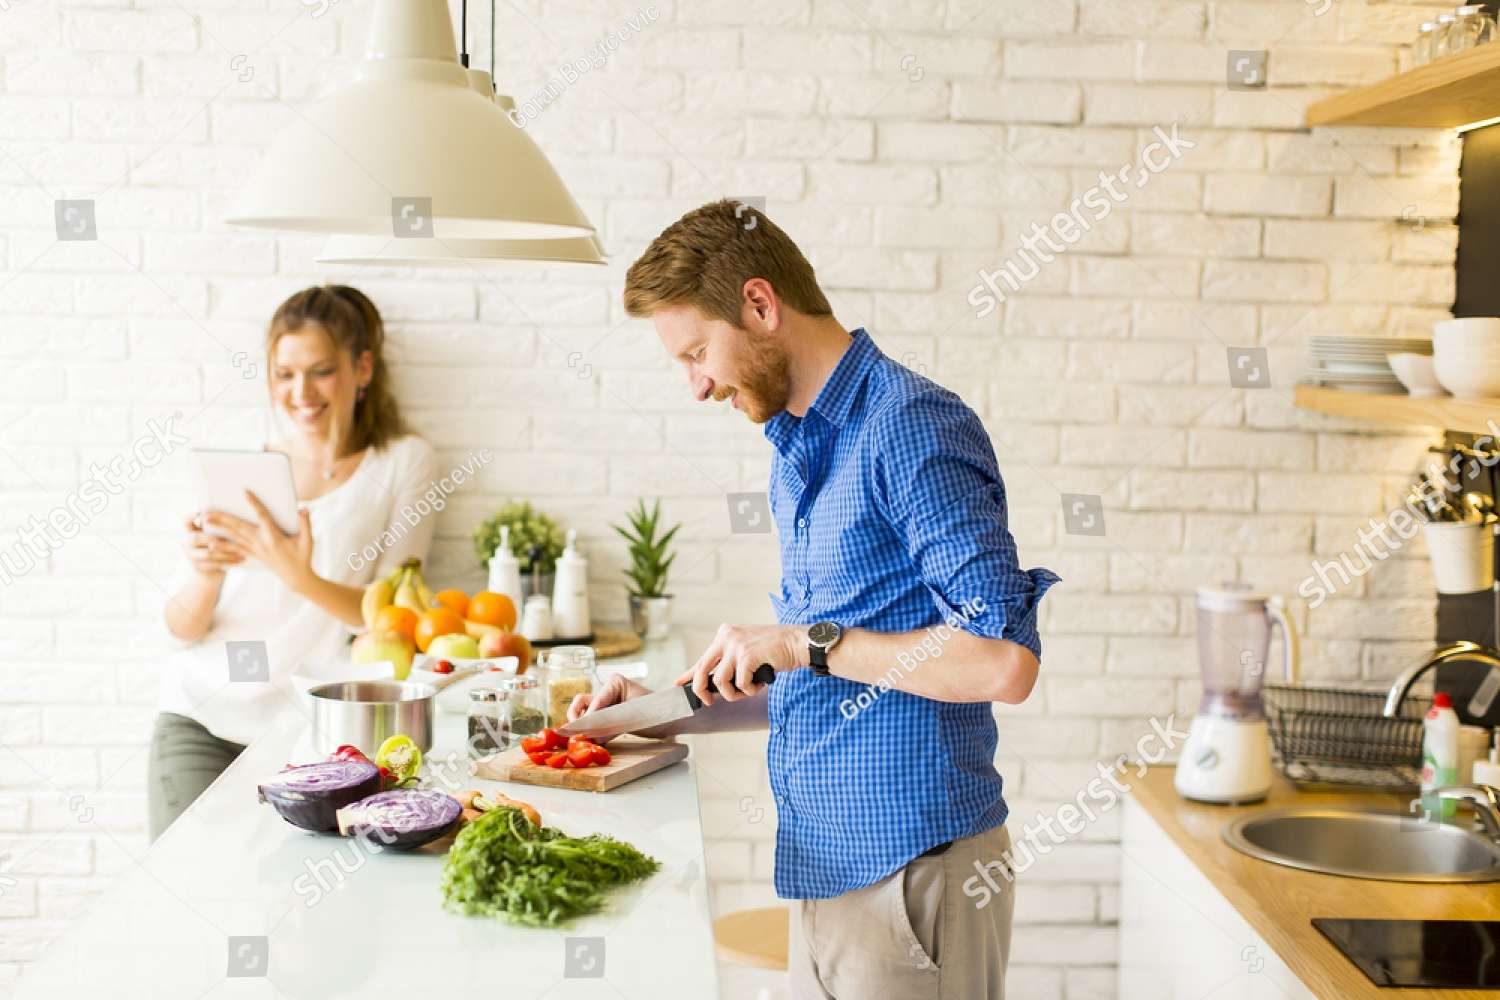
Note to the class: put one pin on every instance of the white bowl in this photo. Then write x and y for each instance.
(309, 675)
(1416, 373)
(455, 697)
(1470, 333)
(1467, 377)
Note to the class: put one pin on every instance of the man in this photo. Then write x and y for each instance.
(903, 614)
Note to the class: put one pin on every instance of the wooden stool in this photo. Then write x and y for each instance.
(756, 938)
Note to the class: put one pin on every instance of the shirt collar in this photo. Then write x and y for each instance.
(837, 397)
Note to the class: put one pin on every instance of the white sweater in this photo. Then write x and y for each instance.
(364, 528)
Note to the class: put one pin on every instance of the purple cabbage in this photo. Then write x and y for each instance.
(310, 795)
(402, 818)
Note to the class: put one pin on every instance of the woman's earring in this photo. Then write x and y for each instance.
(360, 396)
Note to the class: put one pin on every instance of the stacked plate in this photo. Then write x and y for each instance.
(1358, 363)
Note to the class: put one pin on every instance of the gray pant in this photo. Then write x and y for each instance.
(185, 759)
(929, 931)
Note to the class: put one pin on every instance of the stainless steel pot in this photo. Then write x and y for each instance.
(366, 713)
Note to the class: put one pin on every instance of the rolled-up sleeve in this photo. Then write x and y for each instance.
(937, 483)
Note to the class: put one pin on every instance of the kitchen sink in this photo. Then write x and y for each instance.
(1366, 844)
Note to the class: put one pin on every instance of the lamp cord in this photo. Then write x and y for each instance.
(463, 33)
(494, 80)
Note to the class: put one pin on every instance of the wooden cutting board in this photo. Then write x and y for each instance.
(630, 758)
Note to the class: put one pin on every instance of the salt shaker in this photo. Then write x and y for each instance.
(536, 618)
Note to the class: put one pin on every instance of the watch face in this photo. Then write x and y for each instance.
(824, 633)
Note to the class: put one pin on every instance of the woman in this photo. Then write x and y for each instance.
(357, 471)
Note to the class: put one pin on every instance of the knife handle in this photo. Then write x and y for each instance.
(764, 674)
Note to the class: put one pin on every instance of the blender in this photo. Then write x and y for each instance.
(1227, 757)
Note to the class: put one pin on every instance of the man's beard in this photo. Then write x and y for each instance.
(765, 386)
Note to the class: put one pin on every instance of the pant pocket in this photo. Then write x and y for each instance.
(917, 910)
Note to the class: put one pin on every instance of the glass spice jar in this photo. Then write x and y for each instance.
(528, 712)
(569, 672)
(489, 721)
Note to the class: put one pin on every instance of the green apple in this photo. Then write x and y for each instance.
(453, 647)
(372, 647)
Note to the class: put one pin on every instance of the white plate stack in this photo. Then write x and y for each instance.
(1357, 364)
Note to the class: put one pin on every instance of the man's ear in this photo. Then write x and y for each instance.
(760, 309)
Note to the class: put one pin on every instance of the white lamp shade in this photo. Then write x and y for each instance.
(408, 128)
(392, 252)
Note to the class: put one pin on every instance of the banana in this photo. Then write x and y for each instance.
(378, 594)
(479, 630)
(424, 591)
(406, 594)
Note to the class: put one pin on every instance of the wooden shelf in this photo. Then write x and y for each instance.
(1453, 91)
(1472, 416)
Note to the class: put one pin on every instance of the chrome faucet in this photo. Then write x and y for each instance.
(1464, 650)
(1485, 800)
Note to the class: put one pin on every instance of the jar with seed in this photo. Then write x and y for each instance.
(569, 672)
(489, 721)
(528, 711)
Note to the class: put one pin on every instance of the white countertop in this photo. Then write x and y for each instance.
(338, 921)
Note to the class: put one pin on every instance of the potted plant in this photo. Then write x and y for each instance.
(650, 561)
(530, 532)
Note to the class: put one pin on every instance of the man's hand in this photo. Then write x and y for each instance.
(737, 650)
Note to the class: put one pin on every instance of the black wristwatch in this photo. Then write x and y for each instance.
(821, 638)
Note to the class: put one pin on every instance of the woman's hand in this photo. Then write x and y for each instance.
(210, 555)
(288, 556)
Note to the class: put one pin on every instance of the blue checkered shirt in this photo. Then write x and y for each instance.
(891, 516)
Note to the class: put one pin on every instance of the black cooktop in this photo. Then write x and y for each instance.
(1457, 954)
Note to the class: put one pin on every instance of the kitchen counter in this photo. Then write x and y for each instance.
(323, 918)
(1278, 903)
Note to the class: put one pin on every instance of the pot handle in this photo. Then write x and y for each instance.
(1276, 608)
(457, 675)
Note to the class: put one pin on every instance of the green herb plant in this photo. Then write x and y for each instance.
(502, 865)
(650, 558)
(528, 527)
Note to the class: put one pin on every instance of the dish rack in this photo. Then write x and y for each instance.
(1325, 735)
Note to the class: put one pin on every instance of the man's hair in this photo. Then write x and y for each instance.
(704, 259)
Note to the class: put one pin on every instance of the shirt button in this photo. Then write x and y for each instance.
(801, 522)
(781, 800)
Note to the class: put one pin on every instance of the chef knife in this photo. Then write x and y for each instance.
(655, 709)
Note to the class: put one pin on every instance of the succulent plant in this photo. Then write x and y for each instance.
(528, 527)
(650, 559)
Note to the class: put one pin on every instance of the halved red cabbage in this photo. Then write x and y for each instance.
(402, 818)
(309, 796)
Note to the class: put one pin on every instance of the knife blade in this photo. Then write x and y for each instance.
(655, 709)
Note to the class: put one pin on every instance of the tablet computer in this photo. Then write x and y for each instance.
(224, 475)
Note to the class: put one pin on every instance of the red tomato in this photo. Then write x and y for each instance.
(533, 744)
(554, 741)
(581, 756)
(601, 755)
(539, 756)
(573, 741)
(558, 759)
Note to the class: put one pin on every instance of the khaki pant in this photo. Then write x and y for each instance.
(185, 759)
(914, 935)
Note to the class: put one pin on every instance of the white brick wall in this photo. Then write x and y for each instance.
(905, 145)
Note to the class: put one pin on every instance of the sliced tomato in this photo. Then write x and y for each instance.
(601, 755)
(539, 756)
(554, 740)
(558, 759)
(581, 756)
(535, 744)
(574, 741)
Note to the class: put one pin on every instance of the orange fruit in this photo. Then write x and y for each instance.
(394, 618)
(435, 622)
(457, 600)
(490, 608)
